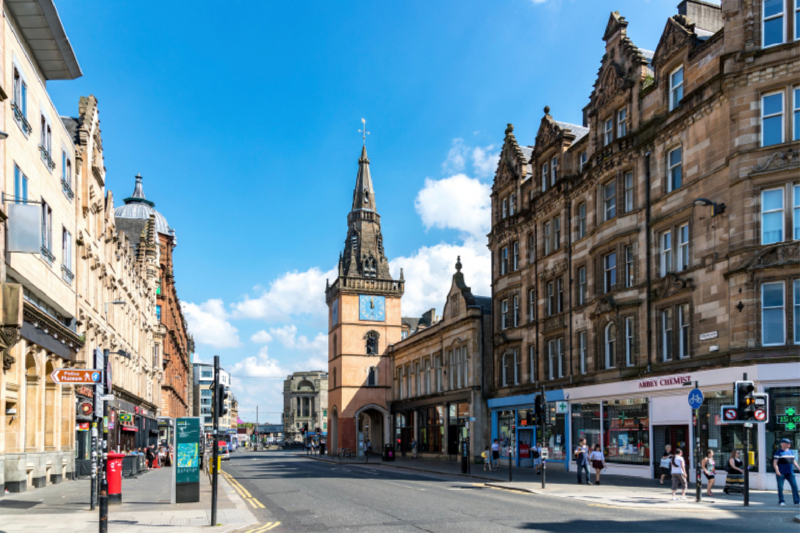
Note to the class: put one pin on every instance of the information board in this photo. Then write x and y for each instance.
(187, 450)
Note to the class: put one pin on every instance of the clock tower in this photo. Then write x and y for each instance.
(363, 320)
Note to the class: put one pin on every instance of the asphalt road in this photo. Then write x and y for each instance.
(302, 494)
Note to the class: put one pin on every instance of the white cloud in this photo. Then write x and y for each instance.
(287, 335)
(429, 271)
(259, 366)
(261, 337)
(484, 161)
(456, 157)
(458, 202)
(294, 293)
(208, 323)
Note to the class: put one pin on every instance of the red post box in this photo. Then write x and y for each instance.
(114, 476)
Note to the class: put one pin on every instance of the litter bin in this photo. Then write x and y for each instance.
(388, 452)
(114, 475)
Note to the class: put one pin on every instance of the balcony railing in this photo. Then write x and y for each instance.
(67, 188)
(67, 274)
(47, 254)
(46, 159)
(23, 123)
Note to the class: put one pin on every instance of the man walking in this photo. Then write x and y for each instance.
(414, 447)
(784, 463)
(581, 454)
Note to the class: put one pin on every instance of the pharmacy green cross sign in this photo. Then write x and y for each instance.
(790, 419)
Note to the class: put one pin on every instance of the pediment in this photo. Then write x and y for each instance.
(672, 284)
(604, 305)
(785, 253)
(676, 34)
(512, 159)
(609, 83)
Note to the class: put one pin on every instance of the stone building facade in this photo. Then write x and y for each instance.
(38, 433)
(363, 320)
(656, 243)
(305, 404)
(440, 381)
(116, 296)
(174, 345)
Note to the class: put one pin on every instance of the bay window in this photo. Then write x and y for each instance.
(772, 218)
(504, 260)
(772, 119)
(773, 23)
(773, 318)
(675, 169)
(504, 314)
(609, 272)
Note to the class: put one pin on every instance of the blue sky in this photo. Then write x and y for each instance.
(243, 119)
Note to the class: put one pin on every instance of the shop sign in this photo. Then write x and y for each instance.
(664, 382)
(789, 419)
(125, 418)
(83, 426)
(85, 391)
(561, 407)
(85, 408)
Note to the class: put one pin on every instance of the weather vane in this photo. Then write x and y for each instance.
(364, 132)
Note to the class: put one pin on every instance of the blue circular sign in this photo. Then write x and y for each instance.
(696, 399)
(96, 376)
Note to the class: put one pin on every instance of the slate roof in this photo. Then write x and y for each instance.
(72, 125)
(138, 207)
(579, 131)
(485, 303)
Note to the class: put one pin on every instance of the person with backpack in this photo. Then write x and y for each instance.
(678, 471)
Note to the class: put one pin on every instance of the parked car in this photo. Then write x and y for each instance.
(224, 452)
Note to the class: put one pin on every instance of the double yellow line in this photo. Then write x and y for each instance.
(246, 496)
(265, 527)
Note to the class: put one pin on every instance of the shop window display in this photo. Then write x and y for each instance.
(555, 436)
(527, 423)
(784, 421)
(585, 424)
(626, 431)
(505, 431)
(430, 421)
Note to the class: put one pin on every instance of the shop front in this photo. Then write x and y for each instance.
(634, 421)
(514, 427)
(84, 410)
(130, 426)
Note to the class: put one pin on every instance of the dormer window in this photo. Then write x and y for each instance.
(608, 136)
(622, 127)
(583, 159)
(773, 26)
(675, 87)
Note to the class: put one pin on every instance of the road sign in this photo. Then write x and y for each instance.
(760, 415)
(696, 399)
(543, 453)
(69, 375)
(106, 397)
(729, 414)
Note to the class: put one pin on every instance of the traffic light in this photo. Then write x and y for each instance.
(222, 396)
(751, 406)
(538, 409)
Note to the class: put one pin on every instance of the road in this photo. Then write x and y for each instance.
(291, 492)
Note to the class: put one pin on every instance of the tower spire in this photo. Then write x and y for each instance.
(363, 194)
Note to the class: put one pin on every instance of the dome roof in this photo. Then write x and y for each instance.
(138, 206)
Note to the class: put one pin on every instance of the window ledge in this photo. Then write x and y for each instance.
(47, 159)
(21, 121)
(47, 255)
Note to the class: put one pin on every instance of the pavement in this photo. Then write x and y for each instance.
(145, 507)
(290, 491)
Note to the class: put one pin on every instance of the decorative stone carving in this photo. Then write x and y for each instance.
(781, 254)
(9, 335)
(673, 284)
(778, 161)
(606, 304)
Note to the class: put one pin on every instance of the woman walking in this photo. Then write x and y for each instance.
(678, 471)
(666, 457)
(709, 470)
(734, 482)
(598, 462)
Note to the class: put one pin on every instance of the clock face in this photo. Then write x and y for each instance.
(335, 312)
(372, 308)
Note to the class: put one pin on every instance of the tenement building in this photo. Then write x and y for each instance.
(440, 381)
(116, 295)
(363, 320)
(37, 436)
(305, 405)
(656, 244)
(173, 344)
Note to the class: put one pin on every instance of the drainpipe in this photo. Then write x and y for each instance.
(649, 258)
(569, 277)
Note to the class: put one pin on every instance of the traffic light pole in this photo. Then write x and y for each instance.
(214, 446)
(746, 429)
(103, 523)
(697, 459)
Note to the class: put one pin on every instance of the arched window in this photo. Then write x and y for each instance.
(372, 377)
(611, 343)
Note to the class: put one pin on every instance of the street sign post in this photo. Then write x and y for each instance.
(696, 399)
(89, 376)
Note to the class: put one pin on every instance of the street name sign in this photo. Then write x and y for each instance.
(82, 376)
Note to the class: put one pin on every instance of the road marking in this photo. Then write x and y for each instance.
(702, 509)
(243, 492)
(265, 527)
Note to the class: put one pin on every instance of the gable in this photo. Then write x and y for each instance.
(677, 33)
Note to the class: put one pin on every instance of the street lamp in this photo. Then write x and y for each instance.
(718, 209)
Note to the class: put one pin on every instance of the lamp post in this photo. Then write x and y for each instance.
(697, 458)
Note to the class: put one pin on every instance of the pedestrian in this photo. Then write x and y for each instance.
(734, 481)
(598, 463)
(709, 470)
(784, 463)
(495, 454)
(666, 457)
(581, 455)
(487, 459)
(369, 447)
(678, 471)
(149, 457)
(536, 453)
(414, 448)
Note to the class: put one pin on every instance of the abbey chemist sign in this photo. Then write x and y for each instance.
(667, 381)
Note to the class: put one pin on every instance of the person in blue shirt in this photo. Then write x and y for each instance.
(784, 464)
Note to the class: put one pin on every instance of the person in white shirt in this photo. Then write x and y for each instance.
(536, 453)
(598, 462)
(495, 454)
(678, 471)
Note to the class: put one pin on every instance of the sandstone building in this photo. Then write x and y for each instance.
(442, 376)
(656, 243)
(305, 404)
(364, 319)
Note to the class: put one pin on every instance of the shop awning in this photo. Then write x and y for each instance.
(126, 427)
